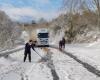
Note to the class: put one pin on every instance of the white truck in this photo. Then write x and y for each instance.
(43, 37)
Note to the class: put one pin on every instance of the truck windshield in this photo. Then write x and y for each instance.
(43, 35)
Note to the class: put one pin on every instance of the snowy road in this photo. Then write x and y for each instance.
(13, 68)
(58, 67)
(68, 69)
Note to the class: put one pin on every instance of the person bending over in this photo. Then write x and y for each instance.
(27, 51)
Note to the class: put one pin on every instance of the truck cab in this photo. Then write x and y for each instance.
(43, 37)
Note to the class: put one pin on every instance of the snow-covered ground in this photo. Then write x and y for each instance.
(89, 53)
(69, 69)
(58, 67)
(13, 68)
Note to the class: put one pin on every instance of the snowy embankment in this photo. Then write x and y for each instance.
(89, 53)
(11, 51)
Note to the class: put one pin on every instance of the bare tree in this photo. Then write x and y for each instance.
(71, 7)
(97, 4)
(93, 5)
(9, 32)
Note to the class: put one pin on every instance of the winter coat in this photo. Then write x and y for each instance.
(28, 47)
(60, 43)
(63, 41)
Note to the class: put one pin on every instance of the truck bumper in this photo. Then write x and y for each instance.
(42, 45)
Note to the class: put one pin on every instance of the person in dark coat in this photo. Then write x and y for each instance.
(63, 42)
(27, 51)
(60, 45)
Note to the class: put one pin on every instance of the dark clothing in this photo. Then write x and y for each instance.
(60, 45)
(33, 45)
(63, 42)
(28, 51)
(28, 48)
(29, 56)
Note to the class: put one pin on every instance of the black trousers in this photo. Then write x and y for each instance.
(63, 46)
(29, 56)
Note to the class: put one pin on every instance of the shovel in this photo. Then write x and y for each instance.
(42, 58)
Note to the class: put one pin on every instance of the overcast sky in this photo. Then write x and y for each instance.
(26, 10)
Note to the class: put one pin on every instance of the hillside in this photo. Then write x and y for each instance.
(9, 31)
(81, 29)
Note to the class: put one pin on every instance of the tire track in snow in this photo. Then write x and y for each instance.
(85, 65)
(69, 69)
(89, 67)
(51, 66)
